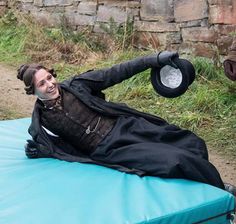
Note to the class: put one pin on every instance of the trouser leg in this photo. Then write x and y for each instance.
(158, 159)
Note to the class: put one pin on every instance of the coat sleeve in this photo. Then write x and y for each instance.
(98, 80)
(39, 135)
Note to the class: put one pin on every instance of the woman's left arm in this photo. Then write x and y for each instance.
(99, 80)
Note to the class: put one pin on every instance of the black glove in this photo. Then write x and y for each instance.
(166, 58)
(31, 150)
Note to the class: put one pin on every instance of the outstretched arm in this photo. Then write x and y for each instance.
(101, 79)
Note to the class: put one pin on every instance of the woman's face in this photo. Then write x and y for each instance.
(45, 85)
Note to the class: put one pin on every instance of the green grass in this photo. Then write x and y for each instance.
(24, 40)
(207, 108)
(12, 43)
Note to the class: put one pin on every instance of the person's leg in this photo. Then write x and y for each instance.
(164, 151)
(138, 130)
(184, 139)
(158, 159)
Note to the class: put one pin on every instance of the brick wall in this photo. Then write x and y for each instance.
(202, 27)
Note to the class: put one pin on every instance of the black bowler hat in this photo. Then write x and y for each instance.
(171, 82)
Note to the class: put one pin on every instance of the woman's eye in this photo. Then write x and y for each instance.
(40, 84)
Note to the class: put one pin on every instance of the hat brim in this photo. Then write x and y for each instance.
(188, 76)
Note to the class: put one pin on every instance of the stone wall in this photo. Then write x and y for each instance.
(3, 7)
(202, 27)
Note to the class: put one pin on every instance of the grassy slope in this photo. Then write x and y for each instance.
(208, 107)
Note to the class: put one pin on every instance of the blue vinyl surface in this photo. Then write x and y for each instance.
(46, 191)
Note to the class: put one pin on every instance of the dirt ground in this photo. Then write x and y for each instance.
(12, 94)
(13, 97)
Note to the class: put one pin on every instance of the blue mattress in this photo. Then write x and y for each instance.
(46, 191)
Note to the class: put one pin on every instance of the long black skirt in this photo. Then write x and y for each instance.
(164, 151)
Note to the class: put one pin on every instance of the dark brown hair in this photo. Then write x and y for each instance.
(26, 74)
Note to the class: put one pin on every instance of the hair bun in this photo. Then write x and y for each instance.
(21, 71)
(53, 73)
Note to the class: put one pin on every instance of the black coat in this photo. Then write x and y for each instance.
(87, 87)
(191, 163)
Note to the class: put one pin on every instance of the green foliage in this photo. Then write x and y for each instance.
(12, 39)
(22, 39)
(121, 33)
(206, 68)
(8, 19)
(64, 33)
(232, 34)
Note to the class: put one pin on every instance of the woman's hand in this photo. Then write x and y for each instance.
(31, 150)
(166, 58)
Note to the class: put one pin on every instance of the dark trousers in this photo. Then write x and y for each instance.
(164, 151)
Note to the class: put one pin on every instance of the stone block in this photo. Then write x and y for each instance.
(71, 9)
(174, 38)
(223, 13)
(199, 49)
(212, 2)
(84, 20)
(28, 7)
(194, 23)
(27, 1)
(224, 43)
(185, 48)
(225, 29)
(3, 3)
(167, 39)
(13, 4)
(196, 34)
(205, 50)
(187, 10)
(58, 2)
(76, 19)
(2, 10)
(155, 26)
(132, 12)
(38, 3)
(55, 9)
(161, 10)
(156, 40)
(116, 3)
(46, 18)
(105, 13)
(87, 8)
(216, 2)
(146, 40)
